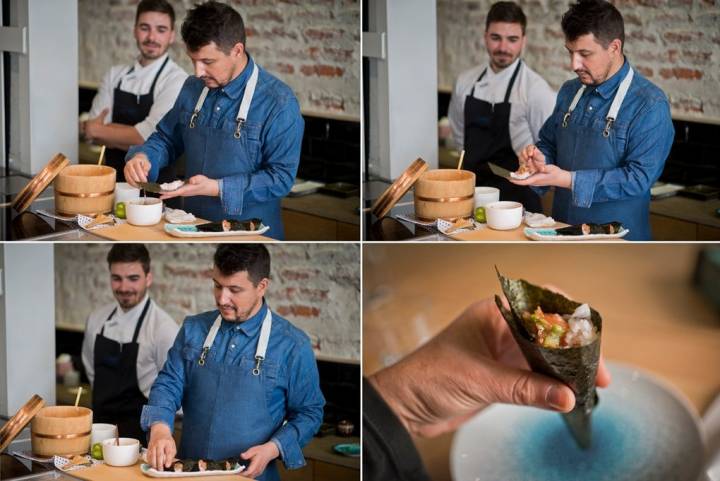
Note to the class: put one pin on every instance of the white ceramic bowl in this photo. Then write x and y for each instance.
(504, 215)
(100, 432)
(145, 211)
(486, 195)
(126, 454)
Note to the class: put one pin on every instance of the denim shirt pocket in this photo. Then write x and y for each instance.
(610, 148)
(270, 371)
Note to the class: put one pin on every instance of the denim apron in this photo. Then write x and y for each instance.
(487, 139)
(225, 407)
(116, 395)
(228, 150)
(598, 144)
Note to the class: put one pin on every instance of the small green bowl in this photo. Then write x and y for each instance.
(350, 449)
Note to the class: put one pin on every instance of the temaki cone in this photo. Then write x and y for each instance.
(575, 366)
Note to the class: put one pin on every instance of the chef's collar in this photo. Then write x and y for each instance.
(608, 87)
(506, 72)
(134, 311)
(151, 67)
(237, 86)
(251, 326)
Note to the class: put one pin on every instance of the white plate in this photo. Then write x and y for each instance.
(643, 430)
(184, 230)
(152, 472)
(548, 234)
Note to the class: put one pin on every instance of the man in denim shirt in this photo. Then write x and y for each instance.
(239, 127)
(246, 378)
(601, 160)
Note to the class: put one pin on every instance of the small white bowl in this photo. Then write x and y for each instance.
(486, 195)
(504, 215)
(100, 432)
(126, 454)
(145, 211)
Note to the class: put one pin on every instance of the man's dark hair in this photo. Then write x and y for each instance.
(161, 6)
(213, 22)
(253, 258)
(129, 253)
(598, 17)
(508, 12)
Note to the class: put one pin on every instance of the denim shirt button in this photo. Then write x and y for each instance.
(232, 346)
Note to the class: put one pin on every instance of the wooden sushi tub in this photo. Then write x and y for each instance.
(85, 189)
(445, 193)
(62, 430)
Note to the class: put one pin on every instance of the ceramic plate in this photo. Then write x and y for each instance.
(545, 234)
(184, 230)
(148, 471)
(349, 449)
(643, 430)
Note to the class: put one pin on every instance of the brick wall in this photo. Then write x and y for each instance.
(315, 286)
(313, 46)
(675, 43)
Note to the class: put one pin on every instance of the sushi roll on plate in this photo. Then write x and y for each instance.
(218, 229)
(195, 467)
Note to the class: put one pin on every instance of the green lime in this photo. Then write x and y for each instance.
(480, 215)
(120, 210)
(96, 451)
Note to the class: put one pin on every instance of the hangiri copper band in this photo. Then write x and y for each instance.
(85, 196)
(61, 436)
(445, 199)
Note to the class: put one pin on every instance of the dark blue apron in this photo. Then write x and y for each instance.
(225, 408)
(217, 153)
(583, 145)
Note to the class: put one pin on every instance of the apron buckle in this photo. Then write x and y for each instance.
(566, 117)
(258, 361)
(193, 118)
(608, 125)
(240, 123)
(203, 355)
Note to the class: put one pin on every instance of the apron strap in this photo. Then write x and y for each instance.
(198, 107)
(140, 321)
(263, 342)
(102, 330)
(512, 81)
(246, 100)
(157, 75)
(124, 75)
(209, 339)
(617, 102)
(573, 104)
(472, 92)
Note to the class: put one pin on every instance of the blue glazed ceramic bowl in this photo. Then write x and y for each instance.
(643, 430)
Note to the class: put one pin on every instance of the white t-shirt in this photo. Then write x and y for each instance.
(155, 338)
(138, 82)
(532, 101)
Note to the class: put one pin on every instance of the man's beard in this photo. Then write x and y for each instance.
(135, 297)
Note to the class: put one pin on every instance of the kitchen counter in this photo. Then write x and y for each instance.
(326, 206)
(321, 449)
(686, 209)
(641, 290)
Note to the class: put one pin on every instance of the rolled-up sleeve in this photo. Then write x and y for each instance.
(305, 403)
(280, 158)
(167, 391)
(650, 138)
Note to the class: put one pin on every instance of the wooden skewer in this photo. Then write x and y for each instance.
(77, 398)
(462, 156)
(102, 155)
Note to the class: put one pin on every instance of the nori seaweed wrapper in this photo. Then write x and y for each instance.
(235, 225)
(575, 366)
(609, 228)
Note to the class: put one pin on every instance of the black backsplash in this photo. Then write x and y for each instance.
(340, 384)
(693, 159)
(330, 148)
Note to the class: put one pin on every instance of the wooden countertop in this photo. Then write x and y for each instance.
(653, 317)
(126, 231)
(321, 449)
(103, 472)
(323, 205)
(691, 210)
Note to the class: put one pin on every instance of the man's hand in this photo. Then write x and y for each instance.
(137, 169)
(471, 364)
(196, 185)
(161, 448)
(259, 457)
(545, 175)
(93, 127)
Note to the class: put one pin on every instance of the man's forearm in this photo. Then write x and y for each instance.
(117, 136)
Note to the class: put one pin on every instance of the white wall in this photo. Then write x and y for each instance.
(27, 325)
